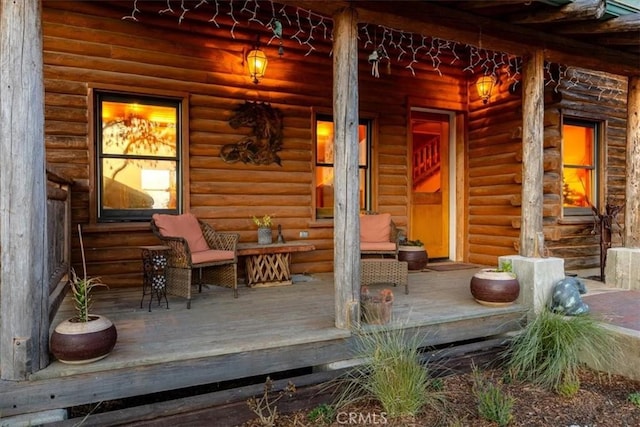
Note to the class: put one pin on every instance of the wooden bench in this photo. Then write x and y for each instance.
(270, 265)
(376, 271)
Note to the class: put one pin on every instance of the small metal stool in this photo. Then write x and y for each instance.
(154, 269)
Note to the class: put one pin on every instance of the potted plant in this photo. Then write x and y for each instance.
(414, 253)
(86, 337)
(376, 309)
(495, 286)
(264, 224)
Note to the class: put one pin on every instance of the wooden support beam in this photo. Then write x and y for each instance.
(577, 10)
(531, 233)
(432, 19)
(621, 24)
(632, 196)
(24, 329)
(346, 221)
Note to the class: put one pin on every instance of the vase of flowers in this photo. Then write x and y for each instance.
(265, 235)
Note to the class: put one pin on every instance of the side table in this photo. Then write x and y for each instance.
(154, 269)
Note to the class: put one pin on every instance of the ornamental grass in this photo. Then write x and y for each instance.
(552, 348)
(391, 373)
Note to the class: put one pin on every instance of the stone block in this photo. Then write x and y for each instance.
(623, 268)
(537, 277)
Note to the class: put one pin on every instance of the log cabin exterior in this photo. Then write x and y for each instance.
(89, 46)
(491, 195)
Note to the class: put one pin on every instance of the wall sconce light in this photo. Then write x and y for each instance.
(485, 86)
(257, 62)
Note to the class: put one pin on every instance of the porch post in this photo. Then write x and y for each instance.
(623, 264)
(632, 197)
(24, 318)
(536, 273)
(346, 206)
(531, 234)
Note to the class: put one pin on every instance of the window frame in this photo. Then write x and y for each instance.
(369, 123)
(117, 94)
(598, 127)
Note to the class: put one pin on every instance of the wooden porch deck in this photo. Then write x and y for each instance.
(263, 331)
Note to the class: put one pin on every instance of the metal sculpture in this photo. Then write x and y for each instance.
(603, 223)
(261, 146)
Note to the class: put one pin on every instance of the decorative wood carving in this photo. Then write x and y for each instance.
(265, 140)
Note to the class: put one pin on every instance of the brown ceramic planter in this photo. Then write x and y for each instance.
(415, 256)
(493, 288)
(83, 342)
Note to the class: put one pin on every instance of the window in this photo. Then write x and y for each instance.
(579, 171)
(138, 163)
(324, 165)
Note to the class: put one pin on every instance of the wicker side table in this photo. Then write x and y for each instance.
(154, 269)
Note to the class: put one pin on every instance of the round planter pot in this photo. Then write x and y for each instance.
(415, 256)
(83, 342)
(493, 288)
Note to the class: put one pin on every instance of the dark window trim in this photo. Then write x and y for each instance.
(368, 122)
(125, 215)
(597, 126)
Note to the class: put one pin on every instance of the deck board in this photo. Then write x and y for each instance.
(262, 331)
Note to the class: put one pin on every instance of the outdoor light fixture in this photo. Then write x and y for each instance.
(257, 62)
(485, 86)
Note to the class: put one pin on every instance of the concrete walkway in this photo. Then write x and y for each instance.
(620, 310)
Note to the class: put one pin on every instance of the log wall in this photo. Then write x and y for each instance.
(495, 170)
(88, 44)
(573, 238)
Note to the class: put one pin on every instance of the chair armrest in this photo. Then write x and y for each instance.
(219, 240)
(180, 255)
(225, 241)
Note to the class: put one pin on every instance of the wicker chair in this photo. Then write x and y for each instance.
(378, 236)
(195, 245)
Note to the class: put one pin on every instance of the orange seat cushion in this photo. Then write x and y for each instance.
(377, 246)
(375, 228)
(212, 255)
(186, 226)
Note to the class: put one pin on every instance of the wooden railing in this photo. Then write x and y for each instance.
(426, 159)
(58, 237)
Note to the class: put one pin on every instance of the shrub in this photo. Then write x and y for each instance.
(634, 398)
(493, 403)
(391, 373)
(552, 348)
(265, 406)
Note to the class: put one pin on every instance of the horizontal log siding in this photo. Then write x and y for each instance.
(494, 178)
(495, 171)
(88, 44)
(577, 243)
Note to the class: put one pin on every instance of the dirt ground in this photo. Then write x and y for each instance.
(602, 401)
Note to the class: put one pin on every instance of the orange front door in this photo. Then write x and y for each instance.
(430, 134)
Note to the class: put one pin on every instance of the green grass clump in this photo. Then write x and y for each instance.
(494, 404)
(634, 398)
(322, 414)
(552, 348)
(391, 373)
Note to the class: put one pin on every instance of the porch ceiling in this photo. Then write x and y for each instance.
(595, 34)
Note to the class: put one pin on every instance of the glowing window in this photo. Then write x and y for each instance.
(579, 171)
(324, 165)
(137, 146)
